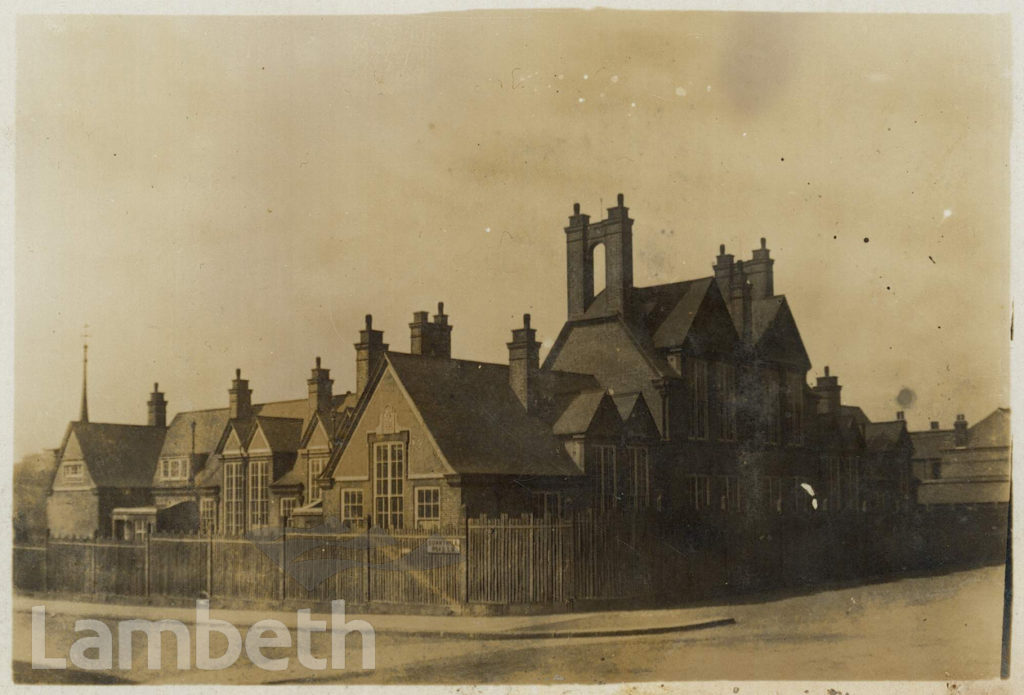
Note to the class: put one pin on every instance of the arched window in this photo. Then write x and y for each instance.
(598, 260)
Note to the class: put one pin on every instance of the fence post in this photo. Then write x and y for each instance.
(46, 560)
(209, 565)
(465, 555)
(92, 564)
(145, 567)
(284, 563)
(369, 520)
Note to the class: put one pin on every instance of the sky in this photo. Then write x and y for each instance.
(209, 193)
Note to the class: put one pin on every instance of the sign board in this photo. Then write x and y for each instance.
(444, 546)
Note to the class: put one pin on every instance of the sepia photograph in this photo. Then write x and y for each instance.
(567, 347)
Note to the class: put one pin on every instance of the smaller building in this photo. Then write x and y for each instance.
(964, 465)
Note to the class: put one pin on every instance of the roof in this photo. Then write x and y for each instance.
(993, 430)
(625, 402)
(577, 417)
(118, 455)
(282, 433)
(929, 444)
(668, 309)
(476, 419)
(883, 436)
(292, 477)
(855, 412)
(209, 427)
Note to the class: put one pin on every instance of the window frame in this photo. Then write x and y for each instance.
(346, 505)
(389, 489)
(419, 504)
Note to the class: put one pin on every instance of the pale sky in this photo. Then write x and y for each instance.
(212, 193)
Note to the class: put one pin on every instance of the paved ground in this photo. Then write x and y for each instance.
(944, 628)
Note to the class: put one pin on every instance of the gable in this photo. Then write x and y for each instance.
(73, 449)
(259, 444)
(388, 412)
(606, 421)
(640, 423)
(780, 340)
(711, 333)
(318, 438)
(993, 430)
(233, 444)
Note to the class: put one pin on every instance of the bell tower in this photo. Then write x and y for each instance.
(582, 237)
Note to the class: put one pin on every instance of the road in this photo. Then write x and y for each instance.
(944, 628)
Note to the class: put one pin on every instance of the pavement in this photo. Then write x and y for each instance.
(574, 625)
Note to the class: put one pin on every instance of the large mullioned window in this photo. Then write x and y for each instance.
(389, 482)
(234, 498)
(259, 493)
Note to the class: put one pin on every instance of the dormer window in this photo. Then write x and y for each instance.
(174, 469)
(74, 471)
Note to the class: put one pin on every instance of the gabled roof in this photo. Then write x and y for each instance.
(854, 412)
(292, 477)
(209, 427)
(577, 417)
(475, 418)
(336, 419)
(282, 433)
(774, 331)
(884, 436)
(117, 455)
(993, 430)
(669, 309)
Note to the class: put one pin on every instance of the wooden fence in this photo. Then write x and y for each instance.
(502, 560)
(525, 561)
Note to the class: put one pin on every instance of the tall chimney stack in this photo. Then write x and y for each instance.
(828, 389)
(960, 431)
(157, 408)
(524, 363)
(239, 398)
(369, 352)
(760, 273)
(321, 389)
(431, 339)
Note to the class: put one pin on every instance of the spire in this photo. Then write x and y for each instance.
(84, 415)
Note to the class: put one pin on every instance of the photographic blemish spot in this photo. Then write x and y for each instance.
(866, 240)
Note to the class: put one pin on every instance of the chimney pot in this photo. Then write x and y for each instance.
(826, 370)
(764, 243)
(318, 362)
(935, 424)
(622, 200)
(156, 386)
(440, 307)
(575, 208)
(899, 415)
(526, 320)
(721, 249)
(238, 373)
(369, 321)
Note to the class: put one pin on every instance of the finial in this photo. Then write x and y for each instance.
(576, 208)
(622, 200)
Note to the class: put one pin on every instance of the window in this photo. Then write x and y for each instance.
(772, 412)
(638, 483)
(316, 467)
(174, 469)
(729, 499)
(547, 504)
(699, 491)
(794, 408)
(602, 473)
(288, 505)
(726, 385)
(428, 507)
(389, 477)
(207, 515)
(74, 471)
(697, 371)
(259, 500)
(234, 502)
(352, 507)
